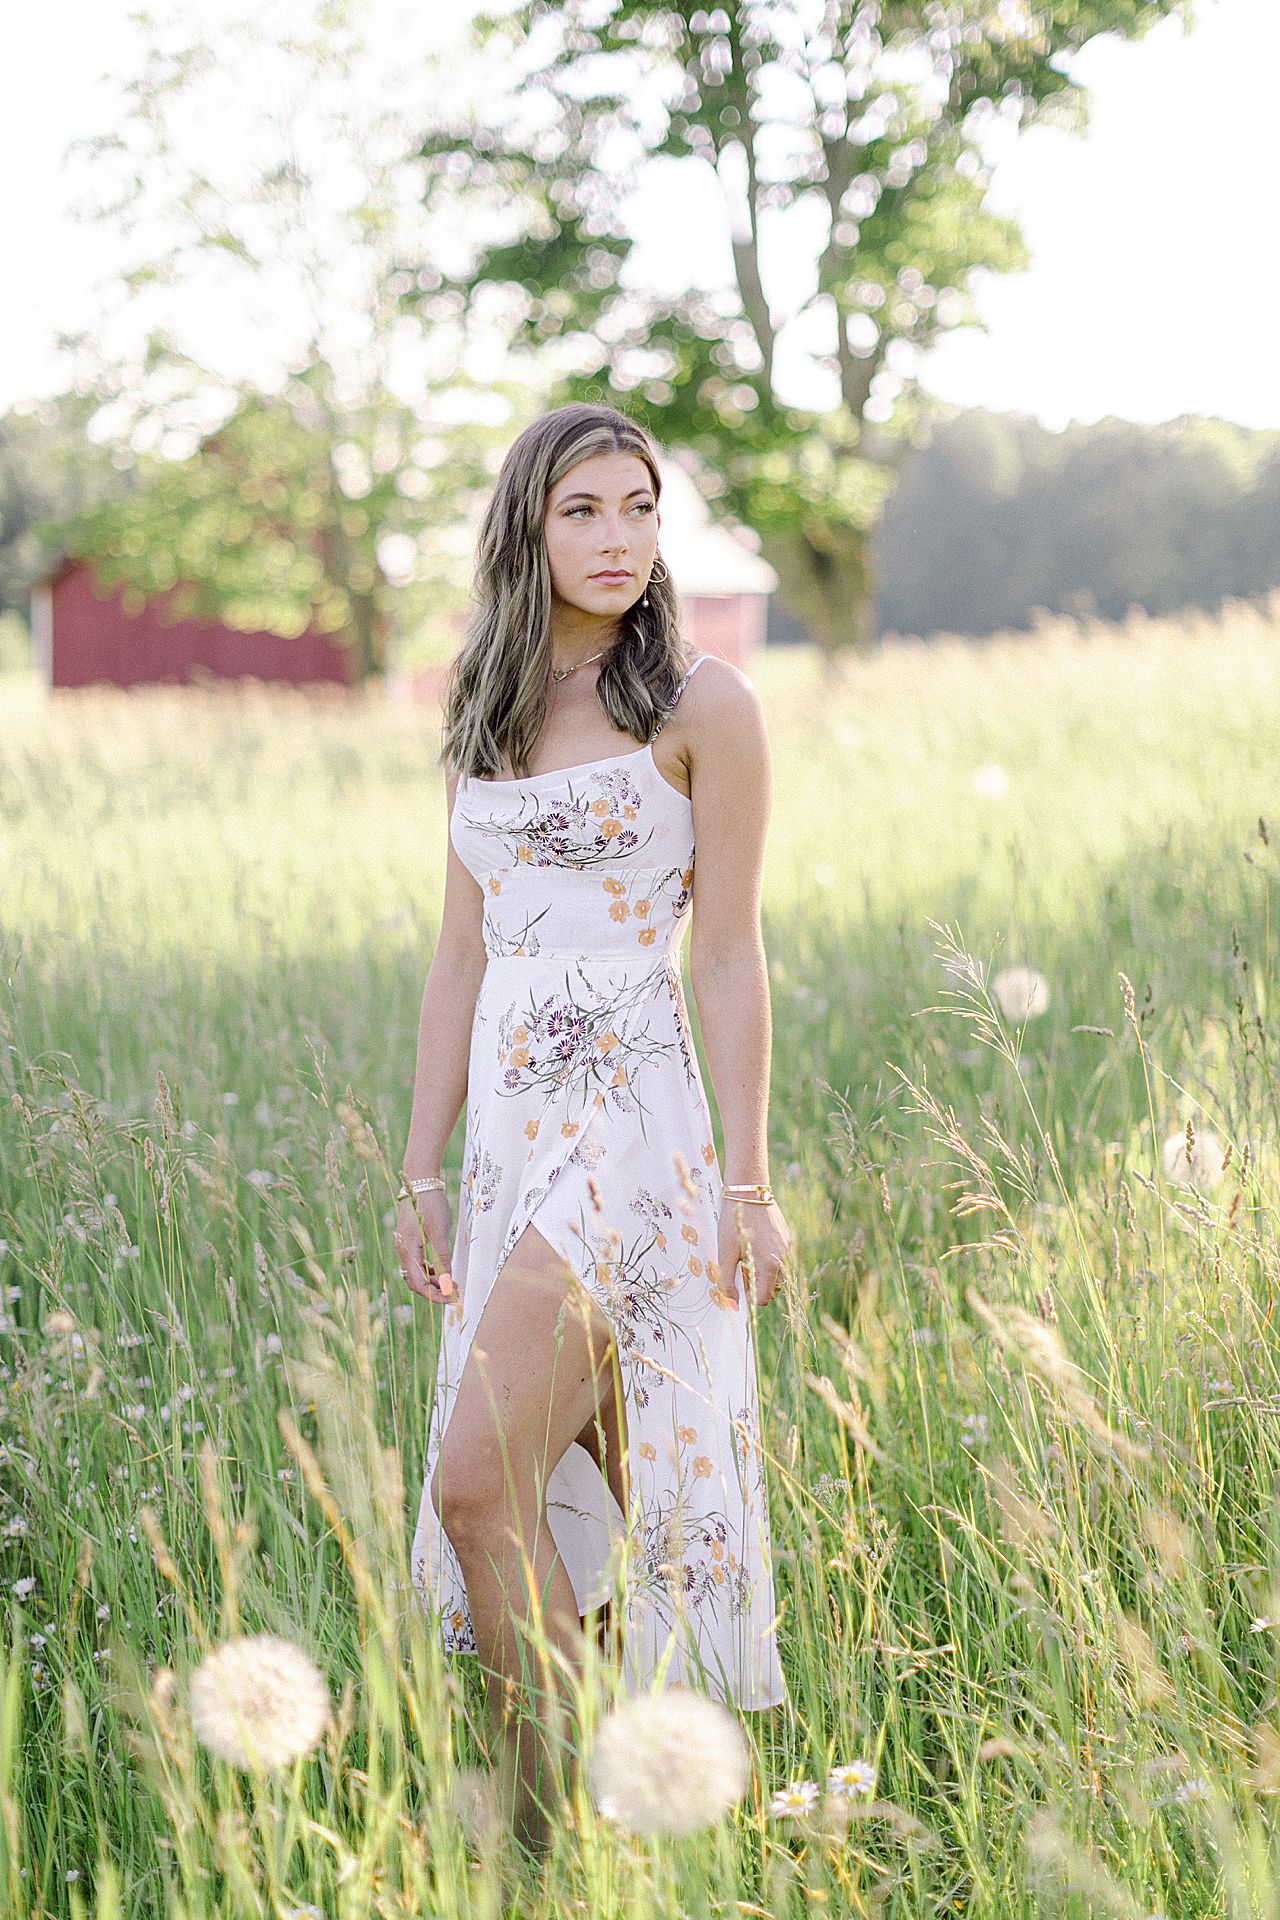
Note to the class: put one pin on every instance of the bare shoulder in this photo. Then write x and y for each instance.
(724, 707)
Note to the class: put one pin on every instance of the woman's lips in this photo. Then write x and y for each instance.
(611, 579)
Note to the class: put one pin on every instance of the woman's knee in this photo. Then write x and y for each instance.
(470, 1488)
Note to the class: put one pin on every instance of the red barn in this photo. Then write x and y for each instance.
(82, 636)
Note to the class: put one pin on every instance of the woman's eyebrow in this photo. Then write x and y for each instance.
(595, 497)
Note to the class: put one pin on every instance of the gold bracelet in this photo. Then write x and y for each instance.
(758, 1194)
(430, 1183)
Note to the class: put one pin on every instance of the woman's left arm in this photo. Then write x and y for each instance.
(732, 790)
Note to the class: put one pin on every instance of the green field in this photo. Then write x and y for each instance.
(1022, 1401)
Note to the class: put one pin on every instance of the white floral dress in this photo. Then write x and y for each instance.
(587, 1115)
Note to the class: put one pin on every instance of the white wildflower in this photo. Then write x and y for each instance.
(857, 1780)
(794, 1800)
(259, 1701)
(668, 1762)
(1194, 1789)
(1020, 993)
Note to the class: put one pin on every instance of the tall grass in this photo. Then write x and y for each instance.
(1022, 1400)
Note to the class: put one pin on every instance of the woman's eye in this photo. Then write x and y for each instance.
(645, 506)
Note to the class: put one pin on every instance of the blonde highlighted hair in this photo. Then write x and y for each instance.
(495, 700)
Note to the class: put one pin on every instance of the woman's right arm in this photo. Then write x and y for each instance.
(444, 1043)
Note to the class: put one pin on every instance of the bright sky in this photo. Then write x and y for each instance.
(1154, 284)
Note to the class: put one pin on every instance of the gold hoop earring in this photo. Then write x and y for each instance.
(656, 579)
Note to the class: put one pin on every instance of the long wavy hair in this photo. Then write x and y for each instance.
(496, 692)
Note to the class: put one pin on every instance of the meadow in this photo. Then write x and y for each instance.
(1021, 1396)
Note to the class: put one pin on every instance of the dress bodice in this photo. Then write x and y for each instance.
(594, 860)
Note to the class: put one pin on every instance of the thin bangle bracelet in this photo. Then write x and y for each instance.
(430, 1183)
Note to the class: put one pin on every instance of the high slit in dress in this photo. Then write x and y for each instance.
(587, 1116)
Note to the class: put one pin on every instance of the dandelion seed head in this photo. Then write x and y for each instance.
(990, 782)
(1020, 993)
(1202, 1167)
(259, 1701)
(668, 1762)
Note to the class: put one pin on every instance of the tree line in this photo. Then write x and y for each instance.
(998, 516)
(994, 517)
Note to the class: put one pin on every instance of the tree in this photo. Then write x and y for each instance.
(48, 472)
(294, 432)
(873, 111)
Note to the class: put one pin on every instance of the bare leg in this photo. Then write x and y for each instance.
(539, 1371)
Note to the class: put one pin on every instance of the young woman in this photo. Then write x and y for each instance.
(595, 1425)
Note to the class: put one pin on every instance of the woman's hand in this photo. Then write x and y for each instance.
(416, 1244)
(746, 1226)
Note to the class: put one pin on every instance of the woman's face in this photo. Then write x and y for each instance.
(602, 519)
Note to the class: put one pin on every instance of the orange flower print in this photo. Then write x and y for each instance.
(642, 907)
(619, 1078)
(713, 1271)
(690, 1234)
(599, 808)
(524, 853)
(702, 1466)
(568, 1128)
(662, 1241)
(718, 1575)
(519, 1056)
(610, 828)
(619, 910)
(531, 1128)
(520, 1035)
(607, 1040)
(686, 878)
(495, 885)
(647, 1450)
(614, 885)
(688, 1433)
(722, 1297)
(695, 1265)
(717, 1549)
(709, 1152)
(648, 937)
(629, 813)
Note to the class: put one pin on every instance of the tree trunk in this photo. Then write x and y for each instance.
(369, 626)
(827, 583)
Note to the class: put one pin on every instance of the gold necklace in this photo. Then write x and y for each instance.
(562, 673)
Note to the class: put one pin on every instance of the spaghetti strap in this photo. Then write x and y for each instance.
(690, 671)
